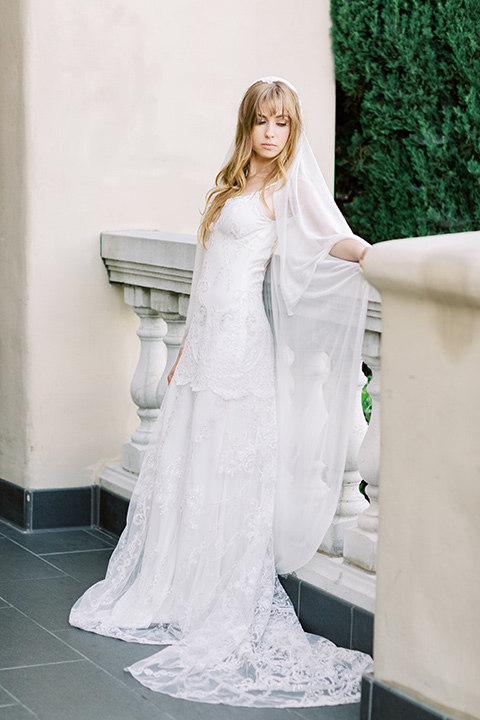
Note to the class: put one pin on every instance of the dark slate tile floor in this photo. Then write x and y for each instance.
(51, 671)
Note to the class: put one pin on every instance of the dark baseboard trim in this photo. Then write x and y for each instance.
(46, 509)
(331, 617)
(12, 503)
(112, 512)
(382, 701)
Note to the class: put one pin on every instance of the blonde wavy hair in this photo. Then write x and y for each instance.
(260, 98)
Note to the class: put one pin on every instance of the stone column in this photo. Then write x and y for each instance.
(427, 629)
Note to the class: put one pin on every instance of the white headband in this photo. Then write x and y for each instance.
(273, 78)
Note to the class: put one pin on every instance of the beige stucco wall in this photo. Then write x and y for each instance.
(427, 632)
(13, 249)
(123, 111)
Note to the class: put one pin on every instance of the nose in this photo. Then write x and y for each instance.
(269, 130)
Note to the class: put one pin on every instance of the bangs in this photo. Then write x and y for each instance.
(272, 100)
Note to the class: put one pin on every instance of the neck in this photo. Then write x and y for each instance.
(259, 167)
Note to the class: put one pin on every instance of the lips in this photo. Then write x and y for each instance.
(268, 145)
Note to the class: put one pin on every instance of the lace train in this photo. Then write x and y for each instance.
(202, 579)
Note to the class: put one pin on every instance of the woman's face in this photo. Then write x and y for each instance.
(270, 134)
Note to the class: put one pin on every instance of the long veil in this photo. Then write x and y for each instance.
(317, 304)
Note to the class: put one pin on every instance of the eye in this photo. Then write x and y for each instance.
(282, 124)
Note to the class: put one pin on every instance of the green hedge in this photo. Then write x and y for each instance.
(408, 115)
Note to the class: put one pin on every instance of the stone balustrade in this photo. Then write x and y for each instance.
(155, 270)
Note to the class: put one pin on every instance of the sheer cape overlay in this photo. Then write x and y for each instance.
(242, 477)
(318, 307)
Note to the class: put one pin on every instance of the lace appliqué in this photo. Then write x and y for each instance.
(229, 346)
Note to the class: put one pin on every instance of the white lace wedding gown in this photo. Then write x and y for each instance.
(194, 567)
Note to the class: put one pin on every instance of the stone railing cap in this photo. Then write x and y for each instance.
(440, 267)
(150, 259)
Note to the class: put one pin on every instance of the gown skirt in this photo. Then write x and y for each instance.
(194, 568)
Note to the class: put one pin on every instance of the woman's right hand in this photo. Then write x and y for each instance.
(170, 374)
(362, 255)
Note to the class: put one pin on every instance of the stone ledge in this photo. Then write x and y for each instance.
(150, 259)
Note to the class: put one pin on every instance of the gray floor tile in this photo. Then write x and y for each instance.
(86, 670)
(79, 693)
(25, 643)
(7, 530)
(46, 600)
(16, 712)
(86, 567)
(187, 710)
(16, 563)
(6, 699)
(110, 654)
(60, 541)
(105, 536)
(335, 712)
(113, 655)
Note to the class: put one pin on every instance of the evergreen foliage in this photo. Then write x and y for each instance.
(408, 115)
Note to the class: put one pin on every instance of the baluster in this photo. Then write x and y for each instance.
(162, 324)
(173, 308)
(148, 373)
(351, 502)
(360, 542)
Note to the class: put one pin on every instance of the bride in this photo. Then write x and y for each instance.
(242, 477)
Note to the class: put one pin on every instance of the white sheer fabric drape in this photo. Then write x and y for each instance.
(318, 308)
(317, 305)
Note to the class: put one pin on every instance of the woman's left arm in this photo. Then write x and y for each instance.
(350, 249)
(320, 223)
